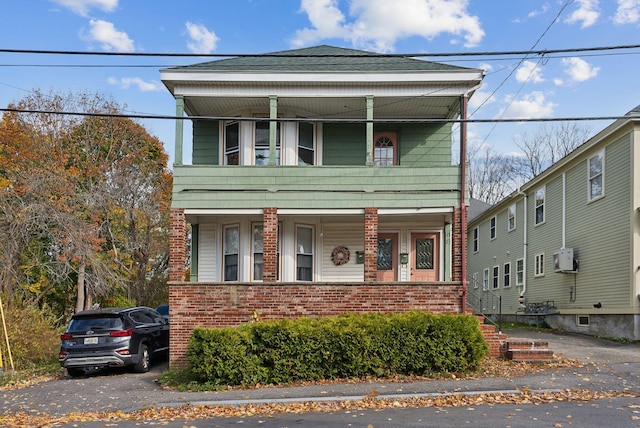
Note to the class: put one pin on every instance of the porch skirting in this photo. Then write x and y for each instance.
(197, 304)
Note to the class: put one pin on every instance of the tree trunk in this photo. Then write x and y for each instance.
(80, 300)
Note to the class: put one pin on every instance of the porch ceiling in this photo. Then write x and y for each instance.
(394, 107)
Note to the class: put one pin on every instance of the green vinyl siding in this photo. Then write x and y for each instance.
(205, 142)
(425, 144)
(599, 232)
(316, 187)
(344, 144)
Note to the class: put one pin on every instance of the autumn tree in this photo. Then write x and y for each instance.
(84, 199)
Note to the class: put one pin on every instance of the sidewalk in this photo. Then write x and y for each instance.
(608, 366)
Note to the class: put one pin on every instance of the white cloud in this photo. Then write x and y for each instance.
(110, 38)
(82, 7)
(378, 24)
(127, 82)
(628, 12)
(481, 97)
(587, 13)
(202, 40)
(529, 72)
(579, 70)
(533, 105)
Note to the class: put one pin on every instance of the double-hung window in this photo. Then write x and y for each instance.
(539, 268)
(475, 280)
(492, 227)
(231, 246)
(506, 274)
(306, 143)
(258, 252)
(262, 148)
(540, 205)
(519, 271)
(485, 280)
(496, 276)
(304, 253)
(232, 143)
(596, 175)
(511, 217)
(476, 238)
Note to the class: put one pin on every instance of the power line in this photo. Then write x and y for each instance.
(323, 120)
(290, 55)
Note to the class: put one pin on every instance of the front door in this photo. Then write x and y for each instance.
(424, 257)
(387, 257)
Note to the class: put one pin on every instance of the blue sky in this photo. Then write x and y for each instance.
(591, 84)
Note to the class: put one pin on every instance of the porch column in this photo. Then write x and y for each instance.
(273, 128)
(177, 160)
(270, 245)
(370, 244)
(177, 244)
(369, 136)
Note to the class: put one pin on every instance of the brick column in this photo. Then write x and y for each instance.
(177, 244)
(457, 241)
(270, 245)
(370, 244)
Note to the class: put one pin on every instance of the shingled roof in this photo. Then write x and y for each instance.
(319, 59)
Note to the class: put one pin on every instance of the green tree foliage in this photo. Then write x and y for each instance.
(83, 204)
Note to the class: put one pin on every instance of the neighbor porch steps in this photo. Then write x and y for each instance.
(515, 349)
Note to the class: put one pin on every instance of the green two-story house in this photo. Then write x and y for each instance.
(321, 181)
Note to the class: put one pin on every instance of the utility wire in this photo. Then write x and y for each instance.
(323, 120)
(288, 55)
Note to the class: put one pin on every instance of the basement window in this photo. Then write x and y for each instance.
(582, 320)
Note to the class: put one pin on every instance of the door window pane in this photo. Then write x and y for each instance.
(262, 148)
(385, 254)
(232, 143)
(306, 145)
(424, 253)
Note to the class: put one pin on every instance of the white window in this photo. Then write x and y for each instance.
(306, 143)
(540, 205)
(261, 143)
(496, 276)
(232, 143)
(231, 251)
(485, 280)
(475, 280)
(596, 175)
(476, 237)
(492, 227)
(258, 251)
(539, 269)
(506, 274)
(304, 253)
(511, 217)
(519, 271)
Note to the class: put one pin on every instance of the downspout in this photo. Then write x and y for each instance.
(525, 244)
(463, 189)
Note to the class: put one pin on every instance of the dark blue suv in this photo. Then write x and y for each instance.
(102, 338)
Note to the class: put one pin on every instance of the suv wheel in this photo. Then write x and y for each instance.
(75, 372)
(142, 366)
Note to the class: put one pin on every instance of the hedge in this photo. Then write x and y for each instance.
(348, 346)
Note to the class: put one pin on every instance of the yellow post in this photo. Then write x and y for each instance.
(6, 335)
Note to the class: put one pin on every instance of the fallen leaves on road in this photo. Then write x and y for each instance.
(370, 402)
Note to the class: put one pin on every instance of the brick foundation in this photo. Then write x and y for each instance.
(218, 305)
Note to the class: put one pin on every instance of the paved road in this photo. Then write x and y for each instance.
(614, 366)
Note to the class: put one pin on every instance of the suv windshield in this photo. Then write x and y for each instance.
(96, 323)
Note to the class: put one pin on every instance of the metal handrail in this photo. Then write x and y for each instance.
(479, 300)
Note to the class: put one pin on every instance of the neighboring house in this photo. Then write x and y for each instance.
(570, 237)
(321, 182)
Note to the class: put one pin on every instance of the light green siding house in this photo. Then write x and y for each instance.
(569, 237)
(317, 136)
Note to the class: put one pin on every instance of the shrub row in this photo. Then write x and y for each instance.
(275, 352)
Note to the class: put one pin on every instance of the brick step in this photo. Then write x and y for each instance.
(530, 355)
(516, 343)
